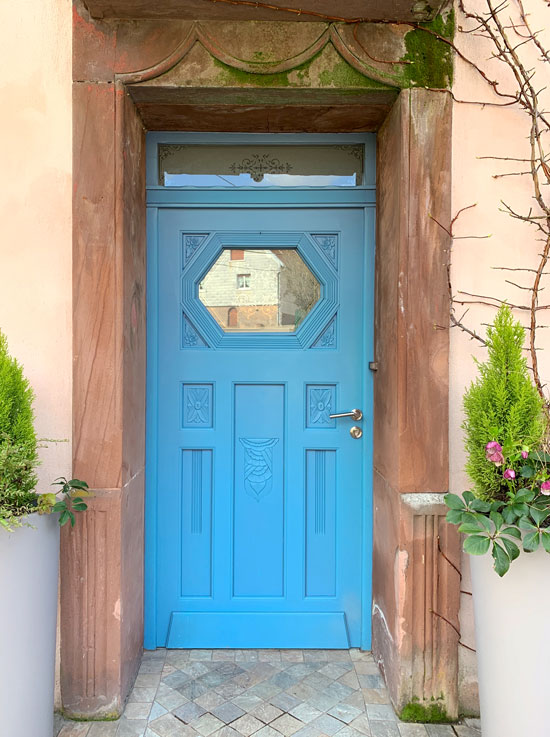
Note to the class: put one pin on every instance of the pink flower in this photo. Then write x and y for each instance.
(509, 474)
(524, 453)
(493, 453)
(545, 488)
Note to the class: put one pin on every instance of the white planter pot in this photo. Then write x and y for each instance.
(29, 563)
(512, 622)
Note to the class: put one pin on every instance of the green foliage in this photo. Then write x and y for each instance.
(509, 506)
(432, 713)
(16, 398)
(19, 455)
(18, 451)
(71, 500)
(17, 482)
(501, 405)
(431, 58)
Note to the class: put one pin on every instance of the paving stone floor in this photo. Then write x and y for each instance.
(259, 693)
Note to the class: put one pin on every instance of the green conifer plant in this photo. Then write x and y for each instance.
(18, 446)
(502, 405)
(19, 454)
(505, 434)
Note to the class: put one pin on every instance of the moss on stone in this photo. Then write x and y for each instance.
(110, 716)
(432, 713)
(340, 76)
(431, 59)
(430, 65)
(343, 75)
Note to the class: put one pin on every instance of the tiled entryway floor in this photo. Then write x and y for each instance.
(264, 693)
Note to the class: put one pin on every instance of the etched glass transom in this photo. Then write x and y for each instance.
(260, 165)
(259, 290)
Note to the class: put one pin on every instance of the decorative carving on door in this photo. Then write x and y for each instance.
(191, 242)
(320, 403)
(328, 243)
(258, 466)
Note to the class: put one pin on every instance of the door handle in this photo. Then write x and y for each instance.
(355, 414)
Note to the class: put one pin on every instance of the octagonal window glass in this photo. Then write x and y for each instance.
(259, 290)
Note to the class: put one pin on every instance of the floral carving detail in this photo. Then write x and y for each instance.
(197, 405)
(320, 406)
(258, 466)
(191, 338)
(191, 243)
(259, 164)
(355, 150)
(328, 243)
(327, 339)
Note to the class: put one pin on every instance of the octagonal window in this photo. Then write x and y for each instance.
(259, 290)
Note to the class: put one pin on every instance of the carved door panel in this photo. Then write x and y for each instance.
(259, 338)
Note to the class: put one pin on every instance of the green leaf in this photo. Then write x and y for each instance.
(519, 509)
(477, 544)
(468, 497)
(513, 531)
(454, 502)
(527, 472)
(509, 515)
(77, 484)
(501, 558)
(468, 528)
(483, 520)
(526, 524)
(71, 517)
(478, 505)
(80, 506)
(64, 517)
(511, 548)
(539, 515)
(531, 541)
(545, 539)
(539, 455)
(455, 516)
(497, 520)
(524, 495)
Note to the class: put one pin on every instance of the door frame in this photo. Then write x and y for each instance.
(160, 197)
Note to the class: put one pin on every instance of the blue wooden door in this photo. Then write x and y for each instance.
(259, 494)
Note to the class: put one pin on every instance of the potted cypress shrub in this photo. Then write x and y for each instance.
(505, 518)
(29, 559)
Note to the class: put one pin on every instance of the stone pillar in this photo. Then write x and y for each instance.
(102, 571)
(416, 554)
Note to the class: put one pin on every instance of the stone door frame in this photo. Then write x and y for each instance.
(415, 555)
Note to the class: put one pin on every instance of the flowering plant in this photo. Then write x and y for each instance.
(509, 504)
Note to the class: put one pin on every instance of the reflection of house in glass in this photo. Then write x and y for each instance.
(259, 290)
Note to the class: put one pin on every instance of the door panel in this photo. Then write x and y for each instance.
(259, 338)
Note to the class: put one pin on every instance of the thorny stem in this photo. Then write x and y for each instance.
(527, 97)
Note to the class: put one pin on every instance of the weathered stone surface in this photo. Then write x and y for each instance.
(97, 273)
(102, 588)
(412, 579)
(411, 385)
(240, 118)
(415, 614)
(206, 9)
(91, 609)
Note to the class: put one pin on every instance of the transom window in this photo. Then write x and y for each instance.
(260, 165)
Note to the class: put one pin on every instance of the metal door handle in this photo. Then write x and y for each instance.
(355, 414)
